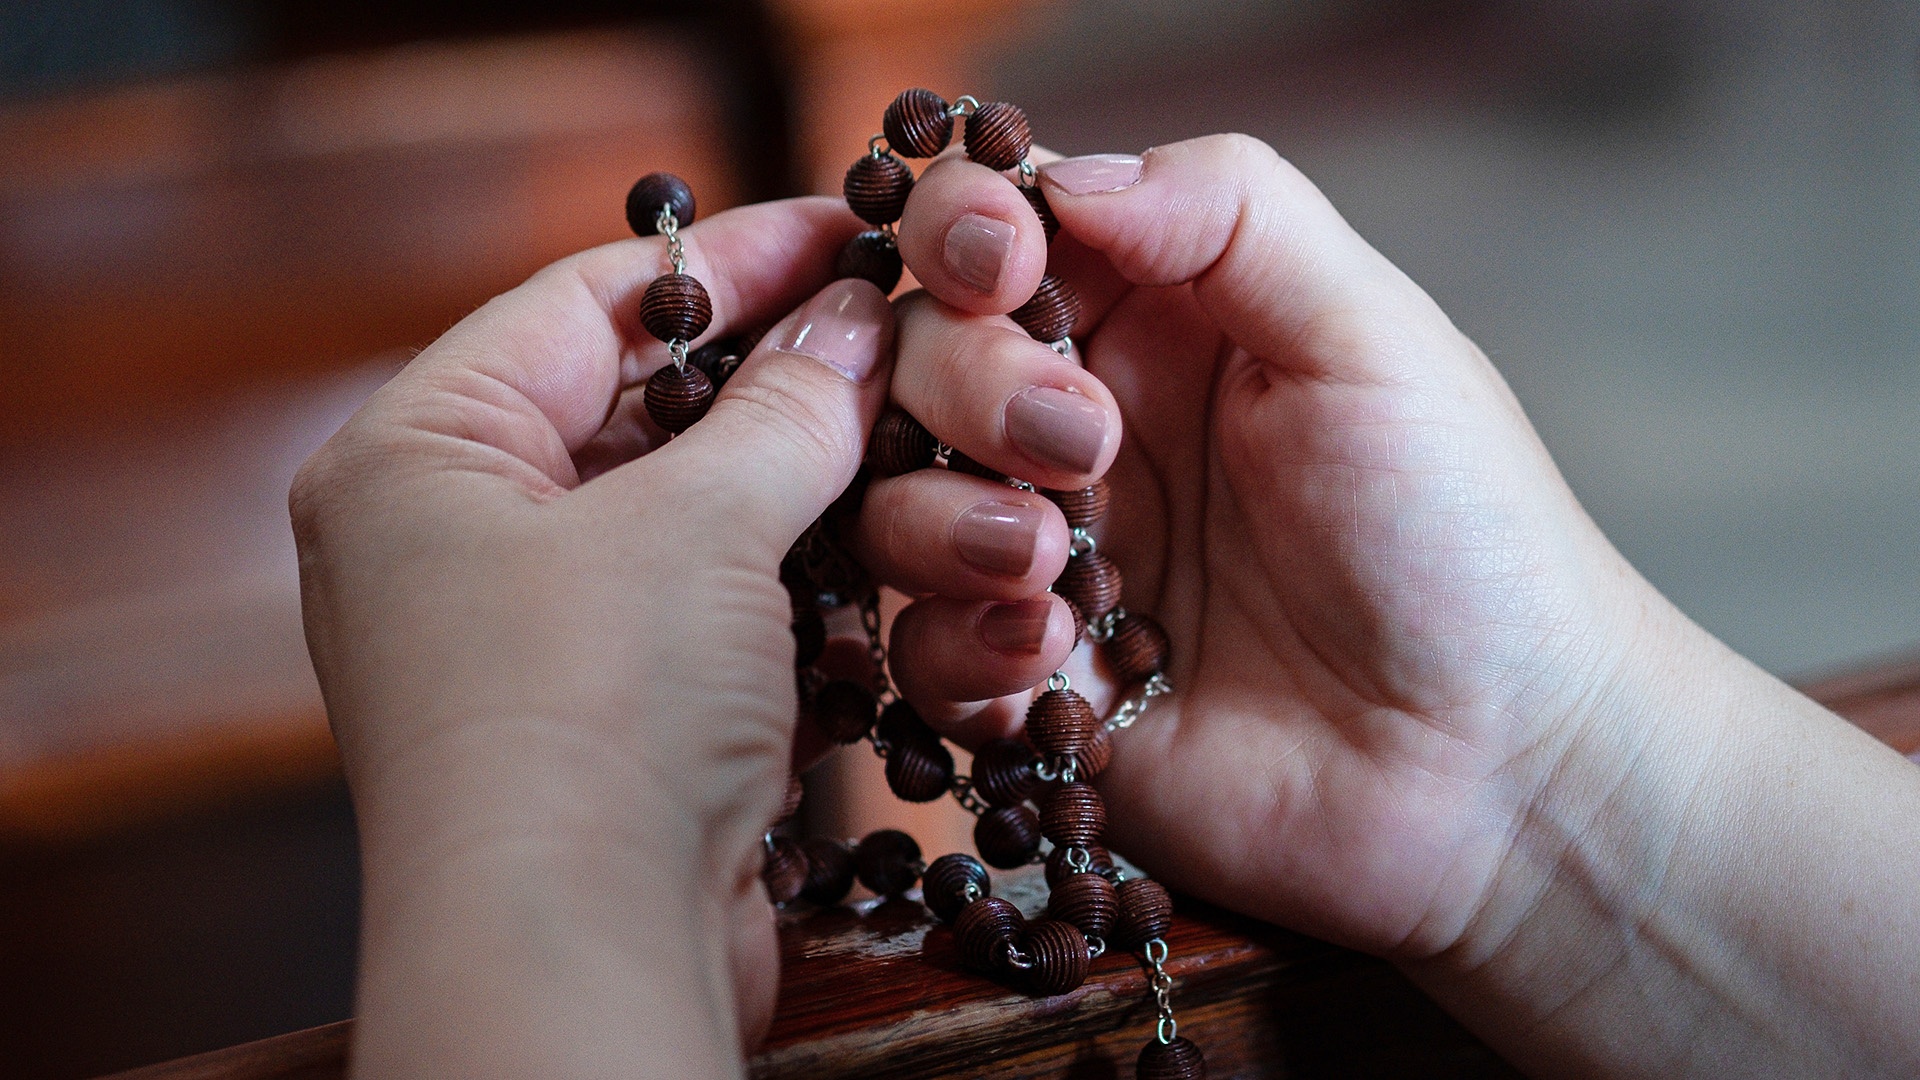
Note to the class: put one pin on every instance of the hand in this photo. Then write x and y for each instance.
(566, 709)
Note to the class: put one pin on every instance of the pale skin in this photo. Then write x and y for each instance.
(1424, 708)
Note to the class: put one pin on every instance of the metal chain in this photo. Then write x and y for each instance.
(962, 791)
(883, 691)
(1136, 706)
(1156, 955)
(669, 227)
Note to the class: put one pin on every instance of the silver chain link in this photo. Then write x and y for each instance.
(669, 227)
(1136, 706)
(1156, 954)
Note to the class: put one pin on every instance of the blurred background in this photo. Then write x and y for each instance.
(1687, 231)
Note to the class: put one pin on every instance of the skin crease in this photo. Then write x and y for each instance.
(1424, 708)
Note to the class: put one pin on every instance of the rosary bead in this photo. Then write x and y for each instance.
(1084, 507)
(649, 194)
(1138, 649)
(1007, 836)
(1092, 583)
(871, 256)
(676, 398)
(1049, 224)
(676, 306)
(829, 871)
(916, 123)
(1079, 624)
(900, 724)
(844, 710)
(790, 804)
(809, 636)
(961, 463)
(1073, 815)
(1097, 756)
(900, 444)
(1087, 901)
(1098, 862)
(1060, 956)
(1176, 1060)
(944, 885)
(887, 861)
(919, 770)
(720, 359)
(1003, 772)
(1146, 912)
(982, 931)
(1049, 314)
(1060, 723)
(998, 135)
(785, 870)
(877, 187)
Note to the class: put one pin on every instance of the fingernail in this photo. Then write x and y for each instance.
(846, 326)
(1094, 173)
(1057, 428)
(1016, 628)
(977, 249)
(997, 537)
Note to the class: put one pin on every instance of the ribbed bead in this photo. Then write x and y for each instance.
(944, 885)
(1094, 760)
(720, 359)
(916, 123)
(829, 871)
(1003, 772)
(877, 187)
(1087, 901)
(919, 770)
(1092, 583)
(998, 135)
(1176, 1060)
(676, 306)
(1084, 507)
(1138, 648)
(844, 710)
(1059, 954)
(887, 861)
(1079, 623)
(1007, 836)
(1060, 723)
(871, 256)
(785, 871)
(676, 398)
(1049, 224)
(900, 444)
(649, 194)
(1146, 912)
(790, 803)
(982, 931)
(809, 636)
(961, 463)
(900, 724)
(1073, 815)
(1049, 314)
(1098, 861)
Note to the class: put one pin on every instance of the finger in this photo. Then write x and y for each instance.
(934, 531)
(971, 238)
(954, 658)
(1268, 256)
(1006, 400)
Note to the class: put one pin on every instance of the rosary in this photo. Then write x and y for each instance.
(1093, 905)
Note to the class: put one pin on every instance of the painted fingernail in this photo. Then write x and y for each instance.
(1057, 428)
(1094, 173)
(1017, 628)
(997, 537)
(976, 250)
(846, 326)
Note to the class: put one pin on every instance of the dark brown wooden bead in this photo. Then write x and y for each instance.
(1058, 870)
(1176, 1060)
(916, 123)
(1079, 623)
(1049, 314)
(871, 256)
(809, 636)
(829, 871)
(1084, 507)
(887, 861)
(677, 398)
(649, 194)
(1060, 956)
(1060, 723)
(900, 444)
(998, 135)
(844, 710)
(1138, 648)
(1049, 224)
(961, 463)
(983, 929)
(1003, 772)
(790, 803)
(1094, 760)
(785, 871)
(919, 770)
(944, 885)
(1073, 815)
(1087, 901)
(676, 307)
(1007, 836)
(1146, 912)
(877, 187)
(900, 724)
(1092, 583)
(720, 359)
